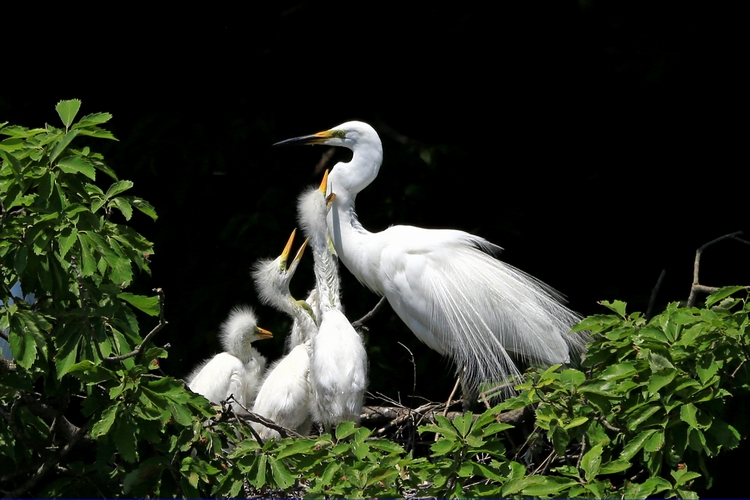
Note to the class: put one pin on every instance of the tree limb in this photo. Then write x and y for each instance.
(696, 286)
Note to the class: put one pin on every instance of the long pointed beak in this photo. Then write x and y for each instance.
(263, 333)
(287, 249)
(324, 183)
(319, 138)
(301, 250)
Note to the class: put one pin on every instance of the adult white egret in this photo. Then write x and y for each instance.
(338, 367)
(284, 395)
(237, 370)
(444, 284)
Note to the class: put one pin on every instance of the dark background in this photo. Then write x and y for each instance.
(597, 142)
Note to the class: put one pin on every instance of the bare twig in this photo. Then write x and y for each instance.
(696, 286)
(364, 319)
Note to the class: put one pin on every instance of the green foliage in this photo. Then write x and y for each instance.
(85, 411)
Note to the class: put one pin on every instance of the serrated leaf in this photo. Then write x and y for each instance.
(149, 305)
(125, 440)
(281, 475)
(104, 424)
(93, 119)
(77, 164)
(344, 430)
(68, 236)
(617, 306)
(117, 188)
(67, 110)
(658, 362)
(660, 379)
(22, 344)
(142, 205)
(123, 206)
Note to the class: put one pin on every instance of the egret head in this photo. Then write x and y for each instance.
(240, 330)
(272, 277)
(353, 176)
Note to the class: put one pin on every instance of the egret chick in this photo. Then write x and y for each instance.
(272, 278)
(338, 368)
(446, 285)
(238, 370)
(284, 395)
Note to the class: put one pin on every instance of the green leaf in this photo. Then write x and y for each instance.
(104, 424)
(462, 423)
(123, 206)
(62, 144)
(658, 362)
(550, 486)
(142, 205)
(443, 446)
(642, 414)
(706, 367)
(618, 371)
(617, 306)
(181, 414)
(721, 294)
(93, 119)
(281, 475)
(635, 444)
(591, 462)
(77, 164)
(117, 188)
(689, 414)
(344, 430)
(660, 379)
(614, 467)
(68, 111)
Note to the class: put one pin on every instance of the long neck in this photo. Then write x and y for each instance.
(326, 272)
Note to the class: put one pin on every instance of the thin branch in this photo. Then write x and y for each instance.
(138, 351)
(696, 286)
(364, 319)
(260, 419)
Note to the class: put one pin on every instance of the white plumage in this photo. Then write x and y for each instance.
(445, 285)
(238, 370)
(284, 396)
(338, 369)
